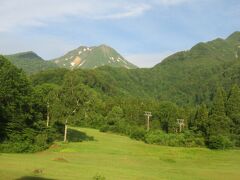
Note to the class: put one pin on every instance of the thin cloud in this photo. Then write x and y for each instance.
(30, 13)
(128, 12)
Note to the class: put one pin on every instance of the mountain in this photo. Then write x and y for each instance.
(30, 62)
(187, 77)
(192, 76)
(93, 57)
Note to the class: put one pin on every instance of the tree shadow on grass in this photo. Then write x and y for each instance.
(78, 136)
(32, 178)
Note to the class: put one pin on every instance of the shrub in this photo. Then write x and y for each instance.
(138, 134)
(193, 140)
(219, 142)
(41, 140)
(186, 139)
(32, 141)
(18, 147)
(104, 128)
(236, 140)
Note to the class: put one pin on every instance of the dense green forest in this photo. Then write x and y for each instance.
(199, 86)
(22, 112)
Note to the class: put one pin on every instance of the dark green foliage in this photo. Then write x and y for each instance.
(233, 112)
(167, 114)
(186, 139)
(218, 123)
(219, 102)
(22, 113)
(138, 133)
(219, 142)
(115, 99)
(188, 85)
(233, 102)
(55, 76)
(200, 122)
(114, 120)
(15, 99)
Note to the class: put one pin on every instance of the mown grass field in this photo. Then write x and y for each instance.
(118, 157)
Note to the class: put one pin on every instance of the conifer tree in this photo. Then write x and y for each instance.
(233, 103)
(219, 123)
(201, 120)
(233, 112)
(218, 107)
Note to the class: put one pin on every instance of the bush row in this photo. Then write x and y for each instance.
(185, 139)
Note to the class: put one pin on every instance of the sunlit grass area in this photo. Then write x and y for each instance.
(119, 157)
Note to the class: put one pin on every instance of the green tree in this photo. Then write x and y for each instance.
(21, 112)
(167, 114)
(46, 93)
(219, 102)
(201, 120)
(233, 105)
(15, 100)
(219, 123)
(115, 121)
(233, 112)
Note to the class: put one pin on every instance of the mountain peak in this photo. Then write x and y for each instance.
(93, 57)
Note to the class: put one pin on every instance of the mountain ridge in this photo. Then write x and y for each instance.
(216, 49)
(186, 77)
(82, 57)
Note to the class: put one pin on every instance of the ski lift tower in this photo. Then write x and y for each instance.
(181, 124)
(148, 114)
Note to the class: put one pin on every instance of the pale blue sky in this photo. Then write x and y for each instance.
(143, 31)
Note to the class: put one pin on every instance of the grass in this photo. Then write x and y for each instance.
(118, 157)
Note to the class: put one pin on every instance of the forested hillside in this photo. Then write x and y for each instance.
(30, 62)
(188, 77)
(200, 85)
